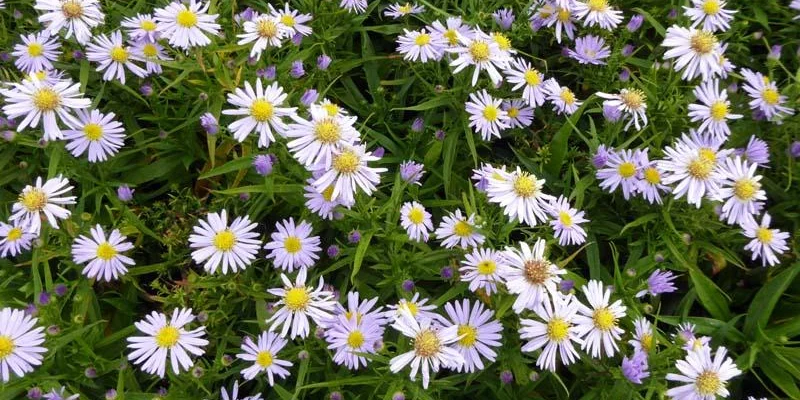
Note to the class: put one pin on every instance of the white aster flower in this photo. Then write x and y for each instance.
(478, 334)
(42, 199)
(314, 141)
(632, 103)
(397, 10)
(416, 308)
(421, 45)
(50, 102)
(416, 221)
(482, 268)
(740, 190)
(297, 303)
(710, 13)
(562, 17)
(598, 326)
(294, 22)
(166, 339)
(623, 168)
(77, 16)
(36, 52)
(523, 76)
(431, 348)
(292, 246)
(216, 243)
(520, 194)
(264, 356)
(101, 135)
(14, 239)
(185, 25)
(354, 6)
(264, 31)
(566, 222)
(644, 335)
(698, 52)
(260, 110)
(113, 57)
(321, 203)
(481, 51)
(364, 309)
(456, 230)
(349, 172)
(520, 115)
(152, 53)
(451, 29)
(351, 336)
(714, 109)
(765, 96)
(20, 342)
(650, 186)
(765, 242)
(695, 166)
(529, 275)
(102, 255)
(597, 12)
(486, 116)
(557, 334)
(563, 99)
(141, 27)
(701, 377)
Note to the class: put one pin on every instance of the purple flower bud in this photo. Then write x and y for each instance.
(408, 285)
(17, 14)
(378, 152)
(418, 125)
(244, 196)
(34, 393)
(247, 14)
(44, 298)
(673, 13)
(624, 75)
(411, 172)
(439, 135)
(775, 52)
(635, 23)
(252, 61)
(566, 285)
(111, 394)
(627, 50)
(90, 373)
(659, 258)
(333, 251)
(60, 289)
(310, 96)
(227, 360)
(354, 237)
(146, 89)
(506, 377)
(297, 70)
(198, 372)
(733, 88)
(77, 55)
(202, 317)
(297, 39)
(612, 114)
(209, 123)
(794, 149)
(125, 193)
(5, 57)
(319, 332)
(162, 391)
(336, 396)
(9, 136)
(267, 73)
(446, 272)
(504, 18)
(263, 164)
(398, 396)
(31, 310)
(600, 157)
(323, 62)
(53, 330)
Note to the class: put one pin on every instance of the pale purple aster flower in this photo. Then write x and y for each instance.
(635, 368)
(125, 193)
(623, 168)
(354, 6)
(321, 203)
(146, 89)
(481, 176)
(566, 222)
(600, 157)
(338, 395)
(209, 123)
(246, 15)
(379, 152)
(765, 95)
(635, 23)
(297, 70)
(563, 99)
(756, 151)
(411, 172)
(292, 246)
(650, 187)
(610, 113)
(775, 52)
(262, 164)
(349, 336)
(627, 50)
(398, 10)
(398, 396)
(520, 114)
(418, 125)
(766, 242)
(660, 281)
(504, 18)
(34, 393)
(309, 97)
(323, 62)
(111, 394)
(479, 333)
(563, 18)
(297, 38)
(60, 395)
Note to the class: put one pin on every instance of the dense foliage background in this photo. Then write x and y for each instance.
(180, 173)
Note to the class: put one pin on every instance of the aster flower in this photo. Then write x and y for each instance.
(431, 348)
(635, 23)
(520, 194)
(563, 99)
(597, 12)
(42, 198)
(397, 10)
(557, 334)
(623, 168)
(350, 337)
(482, 268)
(529, 275)
(566, 222)
(520, 115)
(631, 103)
(292, 246)
(766, 243)
(320, 203)
(349, 172)
(216, 242)
(643, 339)
(714, 109)
(234, 394)
(421, 45)
(264, 356)
(14, 239)
(660, 281)
(294, 22)
(264, 31)
(141, 27)
(186, 25)
(650, 186)
(35, 99)
(702, 377)
(694, 163)
(481, 51)
(411, 172)
(710, 13)
(416, 221)
(314, 141)
(166, 339)
(152, 53)
(697, 51)
(451, 30)
(479, 334)
(563, 18)
(504, 18)
(354, 6)
(740, 190)
(260, 110)
(601, 156)
(20, 343)
(113, 57)
(60, 394)
(77, 16)
(634, 368)
(364, 310)
(756, 151)
(795, 5)
(297, 303)
(765, 96)
(456, 230)
(520, 74)
(598, 325)
(486, 116)
(102, 255)
(503, 42)
(725, 65)
(590, 49)
(415, 308)
(101, 134)
(36, 52)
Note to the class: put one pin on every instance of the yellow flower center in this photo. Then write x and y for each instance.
(563, 14)
(72, 9)
(462, 229)
(287, 20)
(708, 383)
(347, 162)
(93, 131)
(633, 98)
(764, 235)
(355, 339)
(327, 131)
(297, 299)
(261, 110)
(426, 344)
(652, 176)
(225, 240)
(264, 359)
(487, 267)
(503, 42)
(719, 110)
(711, 7)
(565, 218)
(422, 39)
(33, 200)
(6, 346)
(452, 37)
(40, 75)
(513, 112)
(567, 96)
(647, 341)
(532, 77)
(745, 189)
(147, 25)
(490, 113)
(626, 170)
(13, 234)
(557, 330)
(479, 51)
(469, 335)
(267, 28)
(292, 244)
(46, 99)
(332, 109)
(771, 96)
(119, 54)
(35, 49)
(404, 9)
(411, 307)
(327, 194)
(105, 251)
(149, 50)
(167, 336)
(702, 166)
(525, 185)
(537, 271)
(597, 5)
(416, 215)
(604, 319)
(186, 18)
(703, 42)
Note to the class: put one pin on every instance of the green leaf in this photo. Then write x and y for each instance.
(710, 294)
(639, 221)
(230, 166)
(778, 375)
(560, 141)
(765, 300)
(358, 259)
(435, 102)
